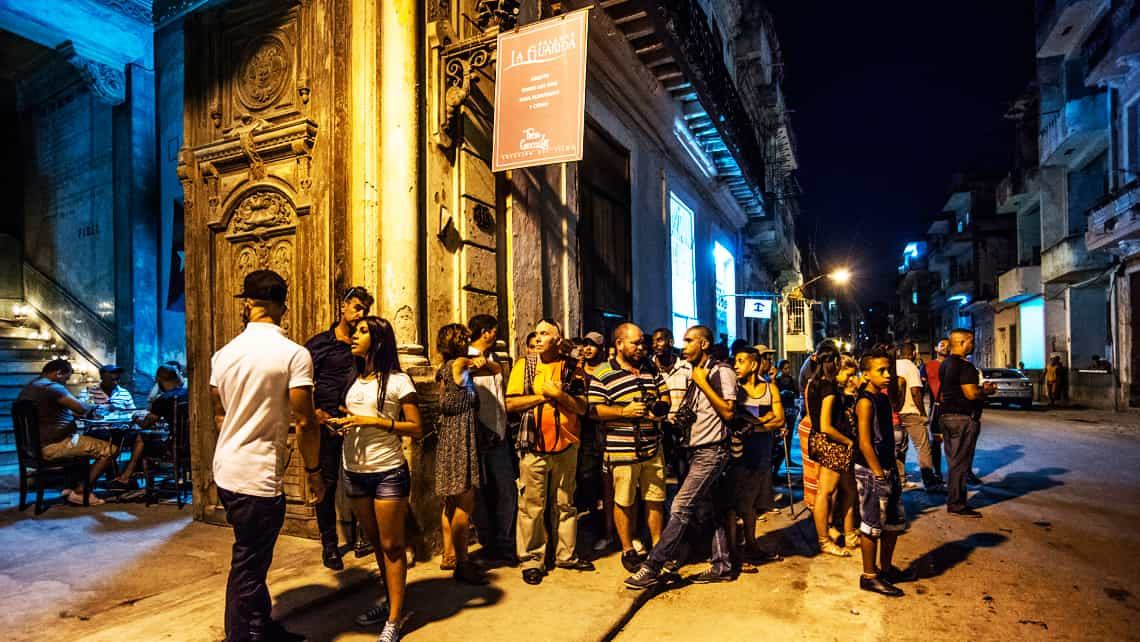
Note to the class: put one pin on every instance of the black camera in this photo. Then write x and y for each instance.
(657, 407)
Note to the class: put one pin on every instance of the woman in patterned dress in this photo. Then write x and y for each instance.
(831, 444)
(457, 455)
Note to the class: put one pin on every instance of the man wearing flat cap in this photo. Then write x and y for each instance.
(258, 381)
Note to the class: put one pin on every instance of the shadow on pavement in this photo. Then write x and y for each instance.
(988, 461)
(426, 601)
(1016, 485)
(948, 555)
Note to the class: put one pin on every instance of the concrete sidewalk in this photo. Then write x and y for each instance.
(123, 572)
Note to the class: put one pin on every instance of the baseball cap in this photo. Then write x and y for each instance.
(265, 285)
(110, 368)
(763, 349)
(594, 338)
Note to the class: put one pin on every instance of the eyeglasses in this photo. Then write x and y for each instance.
(348, 295)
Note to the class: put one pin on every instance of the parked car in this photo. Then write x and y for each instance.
(1013, 387)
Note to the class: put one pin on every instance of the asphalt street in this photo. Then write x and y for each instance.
(1054, 557)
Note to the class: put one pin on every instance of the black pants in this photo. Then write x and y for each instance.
(330, 472)
(256, 522)
(960, 437)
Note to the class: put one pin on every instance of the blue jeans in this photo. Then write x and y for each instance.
(705, 466)
(256, 522)
(496, 501)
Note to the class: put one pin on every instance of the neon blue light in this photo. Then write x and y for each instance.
(960, 299)
(911, 249)
(1032, 339)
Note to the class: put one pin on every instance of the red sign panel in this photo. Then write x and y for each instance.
(540, 93)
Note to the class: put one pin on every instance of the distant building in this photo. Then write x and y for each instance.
(1081, 145)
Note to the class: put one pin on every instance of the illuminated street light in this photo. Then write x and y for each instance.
(839, 275)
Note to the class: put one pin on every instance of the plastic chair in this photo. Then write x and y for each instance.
(32, 464)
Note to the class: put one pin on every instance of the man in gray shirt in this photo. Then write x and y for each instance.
(59, 438)
(711, 396)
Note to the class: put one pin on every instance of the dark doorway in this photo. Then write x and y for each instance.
(604, 233)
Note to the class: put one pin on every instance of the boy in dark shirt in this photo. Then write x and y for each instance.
(880, 489)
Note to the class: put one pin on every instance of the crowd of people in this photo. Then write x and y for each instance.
(145, 432)
(588, 421)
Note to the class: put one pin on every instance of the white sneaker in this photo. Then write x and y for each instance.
(76, 499)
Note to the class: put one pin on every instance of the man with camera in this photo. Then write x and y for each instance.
(632, 398)
(703, 419)
(544, 388)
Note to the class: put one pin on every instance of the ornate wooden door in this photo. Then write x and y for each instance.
(258, 169)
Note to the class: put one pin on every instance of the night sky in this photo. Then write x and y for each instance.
(888, 100)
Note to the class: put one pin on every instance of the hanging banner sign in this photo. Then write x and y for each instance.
(758, 308)
(540, 93)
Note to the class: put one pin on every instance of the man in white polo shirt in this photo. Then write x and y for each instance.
(258, 381)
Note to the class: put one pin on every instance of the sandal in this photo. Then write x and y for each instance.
(447, 563)
(831, 548)
(851, 540)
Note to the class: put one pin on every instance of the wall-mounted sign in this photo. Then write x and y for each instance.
(757, 308)
(540, 93)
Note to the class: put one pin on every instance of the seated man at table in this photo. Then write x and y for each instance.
(172, 391)
(108, 394)
(56, 410)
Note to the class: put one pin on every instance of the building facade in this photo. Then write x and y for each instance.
(1077, 171)
(1112, 51)
(348, 142)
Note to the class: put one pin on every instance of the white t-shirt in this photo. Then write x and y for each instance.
(253, 374)
(371, 449)
(909, 371)
(492, 405)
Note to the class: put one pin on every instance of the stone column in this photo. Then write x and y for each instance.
(364, 172)
(400, 291)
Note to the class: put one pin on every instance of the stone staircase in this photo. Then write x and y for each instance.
(24, 349)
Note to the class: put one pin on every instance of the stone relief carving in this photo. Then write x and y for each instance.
(210, 177)
(244, 134)
(438, 10)
(263, 73)
(108, 84)
(262, 210)
(303, 149)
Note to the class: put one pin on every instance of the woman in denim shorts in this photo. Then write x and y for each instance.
(381, 409)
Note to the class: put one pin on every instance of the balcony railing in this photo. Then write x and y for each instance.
(1115, 219)
(1079, 127)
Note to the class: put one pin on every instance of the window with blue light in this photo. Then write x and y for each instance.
(681, 224)
(1032, 318)
(914, 297)
(960, 227)
(725, 291)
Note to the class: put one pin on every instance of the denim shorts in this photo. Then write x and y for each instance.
(880, 502)
(389, 484)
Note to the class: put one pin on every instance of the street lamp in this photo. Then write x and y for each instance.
(840, 275)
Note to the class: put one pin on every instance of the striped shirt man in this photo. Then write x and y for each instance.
(119, 399)
(628, 440)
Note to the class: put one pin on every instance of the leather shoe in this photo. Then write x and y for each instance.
(332, 560)
(896, 575)
(965, 512)
(532, 576)
(879, 585)
(577, 565)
